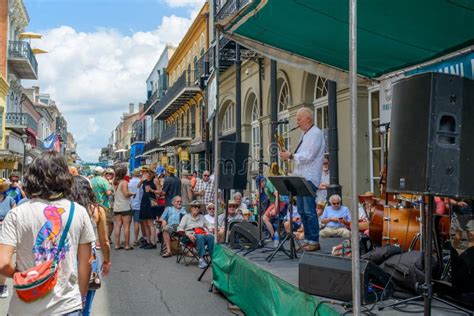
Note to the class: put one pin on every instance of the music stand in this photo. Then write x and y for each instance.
(290, 186)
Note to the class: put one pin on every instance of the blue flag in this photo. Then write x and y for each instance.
(50, 143)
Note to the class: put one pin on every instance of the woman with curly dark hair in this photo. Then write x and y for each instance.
(82, 193)
(35, 228)
(122, 207)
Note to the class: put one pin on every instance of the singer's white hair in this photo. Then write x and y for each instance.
(306, 112)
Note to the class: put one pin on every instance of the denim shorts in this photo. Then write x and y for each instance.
(136, 216)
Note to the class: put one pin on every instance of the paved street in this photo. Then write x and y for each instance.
(143, 283)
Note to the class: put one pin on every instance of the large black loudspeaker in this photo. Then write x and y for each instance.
(431, 140)
(233, 165)
(330, 276)
(244, 234)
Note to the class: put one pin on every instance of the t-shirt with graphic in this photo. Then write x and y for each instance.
(34, 229)
(100, 186)
(14, 193)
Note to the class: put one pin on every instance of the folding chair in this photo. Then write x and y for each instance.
(186, 249)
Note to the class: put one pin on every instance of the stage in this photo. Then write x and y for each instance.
(261, 288)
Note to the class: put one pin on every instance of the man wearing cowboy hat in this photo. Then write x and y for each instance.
(193, 225)
(366, 210)
(232, 215)
(172, 185)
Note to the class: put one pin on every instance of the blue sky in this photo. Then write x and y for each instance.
(100, 53)
(127, 16)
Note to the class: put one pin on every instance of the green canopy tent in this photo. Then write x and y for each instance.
(391, 35)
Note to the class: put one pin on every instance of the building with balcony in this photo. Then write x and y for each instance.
(157, 85)
(182, 106)
(122, 134)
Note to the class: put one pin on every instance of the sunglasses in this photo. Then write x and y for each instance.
(179, 201)
(206, 175)
(233, 206)
(336, 203)
(211, 209)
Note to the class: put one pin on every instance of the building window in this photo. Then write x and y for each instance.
(283, 97)
(195, 49)
(228, 123)
(320, 103)
(255, 134)
(375, 143)
(193, 120)
(201, 44)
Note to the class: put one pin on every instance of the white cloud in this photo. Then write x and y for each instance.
(184, 3)
(93, 76)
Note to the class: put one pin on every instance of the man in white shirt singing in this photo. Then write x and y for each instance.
(308, 160)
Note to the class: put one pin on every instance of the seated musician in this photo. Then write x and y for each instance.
(337, 219)
(276, 203)
(366, 210)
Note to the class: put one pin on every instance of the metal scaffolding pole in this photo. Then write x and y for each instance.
(216, 135)
(356, 309)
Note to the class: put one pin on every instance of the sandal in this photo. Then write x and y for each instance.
(167, 255)
(129, 248)
(118, 248)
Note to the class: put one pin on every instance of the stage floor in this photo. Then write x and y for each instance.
(236, 275)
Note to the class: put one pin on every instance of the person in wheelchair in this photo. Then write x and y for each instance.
(193, 226)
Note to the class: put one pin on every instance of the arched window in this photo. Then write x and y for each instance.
(181, 132)
(228, 123)
(193, 121)
(201, 42)
(188, 123)
(283, 97)
(320, 103)
(195, 49)
(255, 133)
(283, 103)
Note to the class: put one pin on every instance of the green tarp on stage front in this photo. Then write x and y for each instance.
(258, 292)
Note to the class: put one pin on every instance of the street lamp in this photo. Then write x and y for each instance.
(24, 139)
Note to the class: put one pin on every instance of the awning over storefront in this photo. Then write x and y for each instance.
(392, 35)
(194, 149)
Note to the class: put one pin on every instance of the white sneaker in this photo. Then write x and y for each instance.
(202, 263)
(4, 293)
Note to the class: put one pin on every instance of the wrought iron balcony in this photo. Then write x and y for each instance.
(152, 145)
(20, 121)
(202, 67)
(229, 8)
(177, 134)
(22, 60)
(177, 95)
(149, 104)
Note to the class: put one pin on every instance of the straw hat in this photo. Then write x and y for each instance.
(136, 172)
(171, 169)
(4, 186)
(366, 195)
(321, 203)
(233, 202)
(185, 173)
(109, 171)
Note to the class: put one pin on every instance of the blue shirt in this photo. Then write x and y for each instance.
(330, 212)
(172, 216)
(14, 193)
(5, 206)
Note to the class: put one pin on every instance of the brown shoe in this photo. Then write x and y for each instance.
(301, 248)
(311, 247)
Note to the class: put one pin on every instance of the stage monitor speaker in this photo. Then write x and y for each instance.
(233, 165)
(244, 234)
(432, 128)
(329, 276)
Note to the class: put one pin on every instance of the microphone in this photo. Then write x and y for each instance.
(281, 122)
